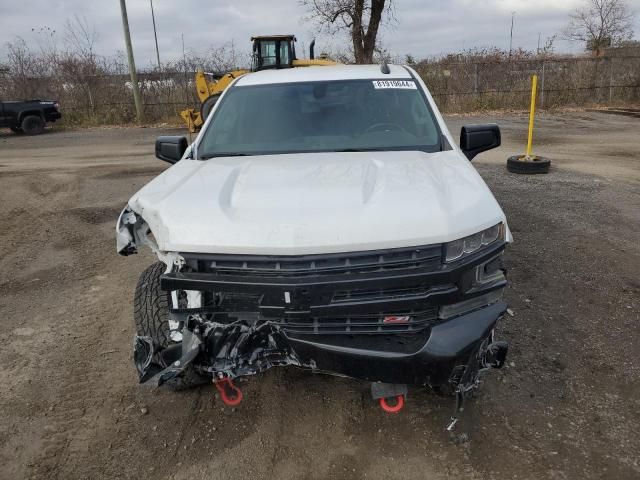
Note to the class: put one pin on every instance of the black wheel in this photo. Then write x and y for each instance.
(517, 164)
(151, 316)
(207, 106)
(32, 125)
(17, 130)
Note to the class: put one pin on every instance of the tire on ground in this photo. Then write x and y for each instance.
(537, 165)
(151, 317)
(16, 130)
(32, 125)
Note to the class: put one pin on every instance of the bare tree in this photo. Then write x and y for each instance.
(79, 64)
(24, 65)
(360, 18)
(81, 37)
(600, 24)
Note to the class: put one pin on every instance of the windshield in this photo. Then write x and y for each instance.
(352, 115)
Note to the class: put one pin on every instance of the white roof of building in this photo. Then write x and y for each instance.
(323, 73)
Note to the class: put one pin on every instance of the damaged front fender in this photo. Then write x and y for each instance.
(132, 231)
(126, 232)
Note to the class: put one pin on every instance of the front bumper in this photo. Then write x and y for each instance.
(375, 316)
(451, 354)
(52, 116)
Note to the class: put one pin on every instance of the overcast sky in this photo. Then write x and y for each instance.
(422, 27)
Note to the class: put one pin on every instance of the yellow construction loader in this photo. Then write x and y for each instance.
(274, 51)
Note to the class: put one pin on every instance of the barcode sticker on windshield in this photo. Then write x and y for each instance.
(408, 84)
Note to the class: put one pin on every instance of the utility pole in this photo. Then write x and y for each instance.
(513, 16)
(538, 51)
(186, 82)
(153, 18)
(132, 63)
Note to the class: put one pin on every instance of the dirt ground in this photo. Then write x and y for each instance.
(567, 406)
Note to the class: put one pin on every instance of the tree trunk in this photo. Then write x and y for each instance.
(369, 44)
(357, 32)
(364, 43)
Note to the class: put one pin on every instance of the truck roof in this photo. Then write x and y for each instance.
(323, 73)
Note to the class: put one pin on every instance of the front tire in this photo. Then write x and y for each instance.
(151, 317)
(32, 125)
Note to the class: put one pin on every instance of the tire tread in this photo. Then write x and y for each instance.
(32, 125)
(151, 317)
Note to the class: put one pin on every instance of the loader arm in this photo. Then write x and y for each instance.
(206, 88)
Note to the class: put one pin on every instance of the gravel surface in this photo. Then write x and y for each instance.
(565, 407)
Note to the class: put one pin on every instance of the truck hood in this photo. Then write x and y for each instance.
(316, 203)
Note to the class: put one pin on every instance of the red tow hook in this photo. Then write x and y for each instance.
(229, 393)
(392, 408)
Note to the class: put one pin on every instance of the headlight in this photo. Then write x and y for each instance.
(473, 243)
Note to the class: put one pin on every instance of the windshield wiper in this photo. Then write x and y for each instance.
(224, 154)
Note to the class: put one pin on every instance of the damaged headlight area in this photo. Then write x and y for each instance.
(127, 229)
(132, 231)
(125, 243)
(214, 350)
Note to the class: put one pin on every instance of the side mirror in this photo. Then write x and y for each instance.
(475, 139)
(171, 149)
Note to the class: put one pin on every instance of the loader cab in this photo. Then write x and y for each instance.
(277, 51)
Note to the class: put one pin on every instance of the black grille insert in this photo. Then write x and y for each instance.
(364, 323)
(405, 322)
(369, 261)
(378, 294)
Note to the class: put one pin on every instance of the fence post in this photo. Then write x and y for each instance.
(542, 87)
(475, 79)
(610, 80)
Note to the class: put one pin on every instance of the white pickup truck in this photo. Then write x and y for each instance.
(324, 217)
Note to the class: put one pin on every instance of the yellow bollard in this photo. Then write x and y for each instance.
(534, 88)
(529, 163)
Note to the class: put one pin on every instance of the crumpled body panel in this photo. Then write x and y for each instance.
(218, 350)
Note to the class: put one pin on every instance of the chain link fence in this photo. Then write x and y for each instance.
(575, 82)
(457, 87)
(108, 98)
